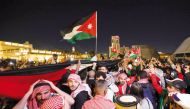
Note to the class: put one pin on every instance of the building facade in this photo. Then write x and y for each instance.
(147, 51)
(25, 51)
(114, 49)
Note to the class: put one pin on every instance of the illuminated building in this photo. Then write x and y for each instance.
(26, 52)
(147, 51)
(115, 46)
(164, 55)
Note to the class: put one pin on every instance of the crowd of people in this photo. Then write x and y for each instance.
(133, 83)
(13, 64)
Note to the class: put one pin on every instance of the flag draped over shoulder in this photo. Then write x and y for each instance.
(85, 28)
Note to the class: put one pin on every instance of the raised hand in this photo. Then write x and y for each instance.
(32, 87)
(51, 84)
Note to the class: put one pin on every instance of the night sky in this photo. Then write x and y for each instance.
(163, 24)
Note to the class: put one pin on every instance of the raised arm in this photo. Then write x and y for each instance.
(78, 66)
(69, 99)
(171, 63)
(23, 102)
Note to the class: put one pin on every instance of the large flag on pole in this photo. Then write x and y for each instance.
(85, 28)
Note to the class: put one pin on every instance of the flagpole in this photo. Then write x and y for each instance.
(96, 35)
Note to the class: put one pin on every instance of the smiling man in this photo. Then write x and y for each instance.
(79, 92)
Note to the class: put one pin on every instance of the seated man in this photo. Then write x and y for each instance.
(40, 92)
(99, 101)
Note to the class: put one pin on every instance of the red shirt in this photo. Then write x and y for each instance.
(98, 102)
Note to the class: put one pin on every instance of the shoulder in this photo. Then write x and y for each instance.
(52, 102)
(146, 104)
(82, 95)
(87, 104)
(84, 92)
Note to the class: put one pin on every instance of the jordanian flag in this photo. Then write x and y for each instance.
(14, 84)
(85, 28)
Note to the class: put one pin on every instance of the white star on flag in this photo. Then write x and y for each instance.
(89, 26)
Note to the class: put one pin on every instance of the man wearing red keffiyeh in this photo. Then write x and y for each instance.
(40, 94)
(79, 92)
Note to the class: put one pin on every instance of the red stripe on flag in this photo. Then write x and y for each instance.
(16, 86)
(89, 26)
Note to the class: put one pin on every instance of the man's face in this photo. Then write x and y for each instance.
(151, 65)
(103, 69)
(122, 80)
(100, 78)
(42, 96)
(171, 89)
(91, 74)
(73, 85)
(186, 68)
(55, 57)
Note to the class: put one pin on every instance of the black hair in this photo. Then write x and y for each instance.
(83, 74)
(99, 74)
(41, 84)
(133, 72)
(143, 74)
(137, 90)
(64, 78)
(102, 66)
(55, 55)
